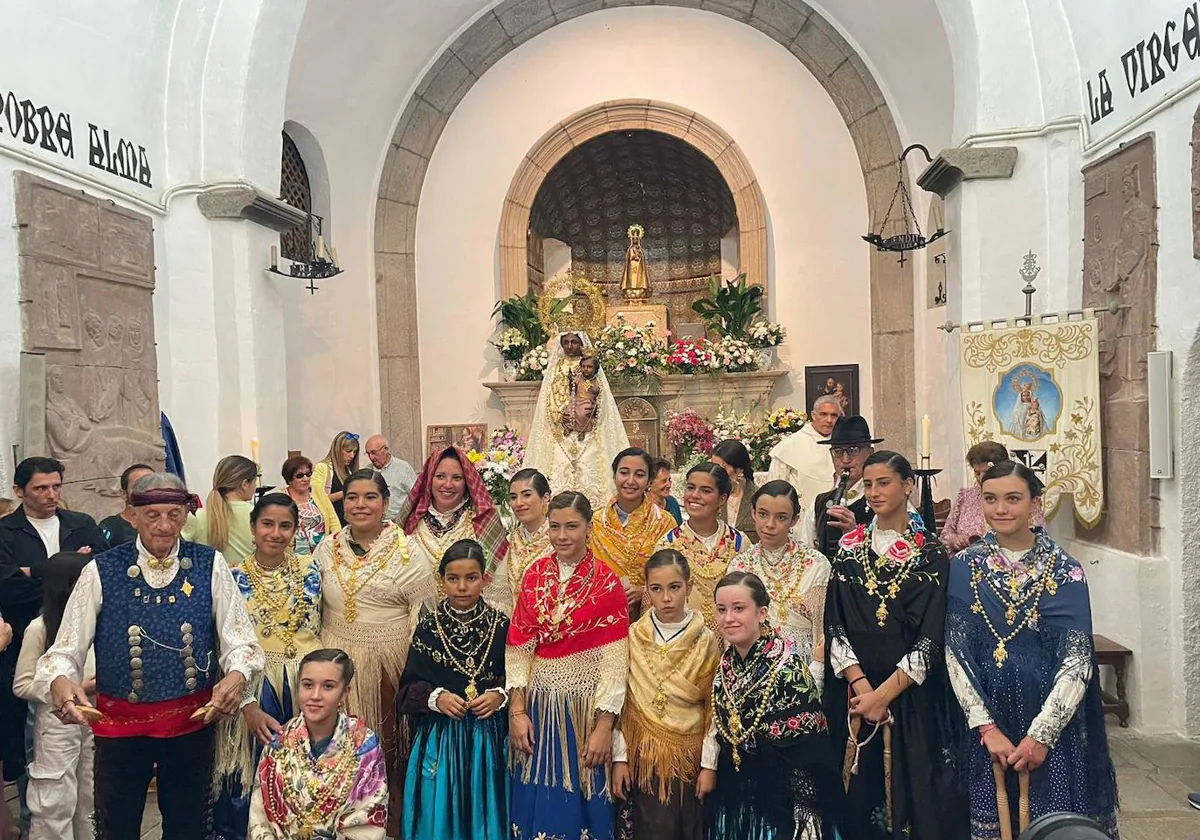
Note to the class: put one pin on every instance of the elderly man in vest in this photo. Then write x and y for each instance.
(166, 621)
(800, 459)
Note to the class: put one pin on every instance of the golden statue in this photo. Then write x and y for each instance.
(635, 280)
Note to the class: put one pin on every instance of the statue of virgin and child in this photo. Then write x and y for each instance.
(576, 430)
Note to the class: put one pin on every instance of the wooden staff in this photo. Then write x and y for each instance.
(851, 752)
(887, 769)
(1023, 802)
(1004, 815)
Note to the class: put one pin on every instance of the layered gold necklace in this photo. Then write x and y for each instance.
(783, 582)
(436, 544)
(312, 792)
(1013, 600)
(885, 586)
(354, 572)
(473, 661)
(737, 733)
(663, 650)
(274, 604)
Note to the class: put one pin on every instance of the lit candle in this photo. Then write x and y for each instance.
(335, 259)
(925, 448)
(274, 257)
(254, 449)
(320, 247)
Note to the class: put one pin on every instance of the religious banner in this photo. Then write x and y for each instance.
(1036, 389)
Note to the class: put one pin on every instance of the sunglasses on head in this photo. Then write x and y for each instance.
(351, 436)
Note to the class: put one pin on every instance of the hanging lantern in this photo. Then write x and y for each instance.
(911, 238)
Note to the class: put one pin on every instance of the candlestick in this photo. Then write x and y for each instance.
(274, 257)
(925, 448)
(254, 449)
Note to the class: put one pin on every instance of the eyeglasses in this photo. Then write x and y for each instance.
(301, 475)
(847, 451)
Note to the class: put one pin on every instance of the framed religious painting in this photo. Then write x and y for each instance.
(839, 381)
(469, 437)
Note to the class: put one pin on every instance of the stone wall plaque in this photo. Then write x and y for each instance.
(641, 423)
(87, 276)
(1120, 264)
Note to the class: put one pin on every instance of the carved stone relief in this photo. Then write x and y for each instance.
(87, 276)
(1120, 262)
(641, 423)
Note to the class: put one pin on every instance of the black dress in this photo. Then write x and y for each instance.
(880, 626)
(827, 536)
(336, 486)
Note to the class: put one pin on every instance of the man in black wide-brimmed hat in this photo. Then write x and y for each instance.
(850, 445)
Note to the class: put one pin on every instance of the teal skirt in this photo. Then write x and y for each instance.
(456, 786)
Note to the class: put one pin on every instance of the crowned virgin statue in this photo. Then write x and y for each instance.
(576, 430)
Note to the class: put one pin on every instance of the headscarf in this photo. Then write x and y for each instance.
(485, 519)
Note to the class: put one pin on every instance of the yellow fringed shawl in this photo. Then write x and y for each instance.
(668, 706)
(626, 548)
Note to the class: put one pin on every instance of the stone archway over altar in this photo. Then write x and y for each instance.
(801, 30)
(625, 115)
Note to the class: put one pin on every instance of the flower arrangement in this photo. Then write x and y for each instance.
(497, 466)
(533, 364)
(633, 353)
(733, 427)
(766, 334)
(512, 344)
(786, 420)
(734, 355)
(693, 355)
(777, 425)
(688, 433)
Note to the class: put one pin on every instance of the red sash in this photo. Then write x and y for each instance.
(164, 719)
(598, 613)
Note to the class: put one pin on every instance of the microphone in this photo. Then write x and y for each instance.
(839, 494)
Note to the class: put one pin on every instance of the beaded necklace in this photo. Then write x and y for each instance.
(313, 795)
(875, 581)
(472, 661)
(1013, 601)
(273, 606)
(738, 733)
(436, 539)
(354, 572)
(708, 565)
(782, 592)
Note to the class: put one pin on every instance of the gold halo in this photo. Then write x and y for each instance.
(559, 322)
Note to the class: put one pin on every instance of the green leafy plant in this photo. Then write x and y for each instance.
(520, 312)
(730, 307)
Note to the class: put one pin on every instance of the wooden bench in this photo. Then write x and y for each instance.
(1109, 652)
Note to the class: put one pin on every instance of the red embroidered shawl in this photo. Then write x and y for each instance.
(599, 614)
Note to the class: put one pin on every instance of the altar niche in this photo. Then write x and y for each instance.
(638, 190)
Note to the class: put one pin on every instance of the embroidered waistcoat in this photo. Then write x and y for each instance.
(155, 644)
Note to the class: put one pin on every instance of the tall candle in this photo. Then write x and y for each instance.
(320, 247)
(335, 259)
(274, 257)
(254, 449)
(925, 448)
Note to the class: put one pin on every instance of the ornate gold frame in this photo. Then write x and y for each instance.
(574, 284)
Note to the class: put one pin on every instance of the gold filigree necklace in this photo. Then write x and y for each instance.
(1013, 601)
(737, 733)
(275, 606)
(355, 572)
(472, 662)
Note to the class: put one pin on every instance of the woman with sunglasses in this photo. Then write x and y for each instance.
(317, 517)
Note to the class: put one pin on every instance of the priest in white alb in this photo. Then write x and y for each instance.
(799, 458)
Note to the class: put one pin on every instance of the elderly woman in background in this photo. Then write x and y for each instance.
(224, 522)
(318, 519)
(966, 522)
(329, 476)
(739, 509)
(449, 503)
(659, 490)
(371, 587)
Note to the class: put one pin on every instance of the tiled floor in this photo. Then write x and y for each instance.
(1155, 775)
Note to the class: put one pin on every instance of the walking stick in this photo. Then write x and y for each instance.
(887, 769)
(851, 752)
(1023, 802)
(1004, 815)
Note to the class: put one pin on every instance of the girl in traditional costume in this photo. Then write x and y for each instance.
(708, 543)
(885, 682)
(371, 590)
(323, 775)
(1020, 655)
(283, 598)
(664, 758)
(452, 696)
(796, 575)
(566, 662)
(449, 503)
(625, 533)
(777, 773)
(529, 498)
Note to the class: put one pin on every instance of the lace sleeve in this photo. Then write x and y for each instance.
(841, 655)
(916, 662)
(240, 650)
(972, 704)
(518, 665)
(614, 673)
(68, 657)
(1070, 684)
(710, 751)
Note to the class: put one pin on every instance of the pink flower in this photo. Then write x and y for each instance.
(1076, 573)
(776, 730)
(853, 539)
(793, 724)
(919, 539)
(900, 552)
